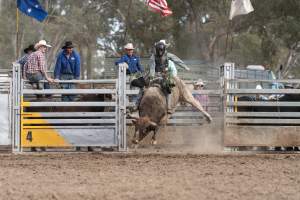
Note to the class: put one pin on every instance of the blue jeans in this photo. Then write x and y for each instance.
(34, 81)
(67, 86)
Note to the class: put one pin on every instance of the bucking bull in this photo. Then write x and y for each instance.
(153, 109)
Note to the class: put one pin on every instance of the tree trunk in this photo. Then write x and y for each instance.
(289, 60)
(210, 54)
(56, 45)
(80, 51)
(89, 62)
(1, 6)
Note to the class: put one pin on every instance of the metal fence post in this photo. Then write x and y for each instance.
(228, 84)
(16, 112)
(121, 108)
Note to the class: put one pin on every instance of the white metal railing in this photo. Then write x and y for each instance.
(92, 127)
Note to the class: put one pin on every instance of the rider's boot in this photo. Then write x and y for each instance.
(169, 105)
(138, 101)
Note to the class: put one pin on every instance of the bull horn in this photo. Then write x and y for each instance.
(153, 123)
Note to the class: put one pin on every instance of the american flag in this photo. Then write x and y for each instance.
(159, 6)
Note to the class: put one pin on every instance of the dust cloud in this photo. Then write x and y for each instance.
(205, 139)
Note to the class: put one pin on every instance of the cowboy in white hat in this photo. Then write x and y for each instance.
(134, 69)
(131, 60)
(202, 98)
(35, 68)
(129, 46)
(199, 84)
(41, 43)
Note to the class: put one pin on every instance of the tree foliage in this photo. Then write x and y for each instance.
(270, 35)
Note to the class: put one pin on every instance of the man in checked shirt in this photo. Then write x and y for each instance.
(35, 69)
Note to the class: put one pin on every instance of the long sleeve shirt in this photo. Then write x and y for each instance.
(22, 61)
(203, 99)
(171, 67)
(133, 62)
(35, 63)
(171, 57)
(67, 64)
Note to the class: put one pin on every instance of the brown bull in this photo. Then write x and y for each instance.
(153, 108)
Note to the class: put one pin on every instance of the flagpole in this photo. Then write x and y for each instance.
(17, 33)
(127, 22)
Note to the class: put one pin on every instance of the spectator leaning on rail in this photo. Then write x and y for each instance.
(202, 98)
(22, 61)
(35, 67)
(134, 70)
(67, 68)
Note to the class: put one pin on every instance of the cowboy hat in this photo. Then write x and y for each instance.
(68, 44)
(29, 48)
(163, 42)
(41, 43)
(129, 46)
(199, 82)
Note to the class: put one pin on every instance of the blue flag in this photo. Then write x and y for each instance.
(32, 8)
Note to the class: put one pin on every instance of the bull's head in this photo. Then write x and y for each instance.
(143, 126)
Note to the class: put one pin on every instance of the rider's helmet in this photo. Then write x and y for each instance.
(160, 49)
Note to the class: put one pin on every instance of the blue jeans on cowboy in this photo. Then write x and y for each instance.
(67, 86)
(34, 81)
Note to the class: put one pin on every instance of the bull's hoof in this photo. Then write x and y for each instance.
(135, 141)
(209, 119)
(153, 142)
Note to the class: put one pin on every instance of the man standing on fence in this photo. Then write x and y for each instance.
(67, 68)
(134, 70)
(35, 67)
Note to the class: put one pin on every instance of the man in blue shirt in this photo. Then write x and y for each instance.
(134, 70)
(133, 61)
(67, 68)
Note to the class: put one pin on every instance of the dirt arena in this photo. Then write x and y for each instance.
(186, 164)
(149, 176)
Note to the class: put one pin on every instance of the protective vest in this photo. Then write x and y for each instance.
(161, 63)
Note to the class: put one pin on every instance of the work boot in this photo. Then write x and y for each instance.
(42, 148)
(277, 148)
(33, 149)
(77, 148)
(289, 149)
